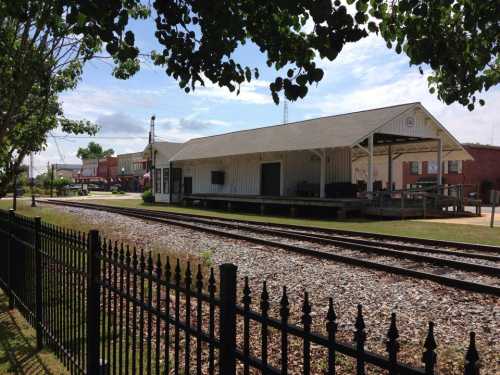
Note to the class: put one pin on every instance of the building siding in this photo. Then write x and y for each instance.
(242, 173)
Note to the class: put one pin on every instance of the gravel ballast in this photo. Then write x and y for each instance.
(416, 302)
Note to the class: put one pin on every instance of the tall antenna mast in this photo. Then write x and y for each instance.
(285, 111)
(152, 130)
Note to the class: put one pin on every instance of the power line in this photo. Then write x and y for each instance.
(91, 137)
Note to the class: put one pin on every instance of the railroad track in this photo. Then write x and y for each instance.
(423, 262)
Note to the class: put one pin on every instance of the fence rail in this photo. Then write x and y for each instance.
(105, 308)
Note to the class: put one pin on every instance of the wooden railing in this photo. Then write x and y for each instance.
(429, 198)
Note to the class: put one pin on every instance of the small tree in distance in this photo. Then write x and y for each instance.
(94, 151)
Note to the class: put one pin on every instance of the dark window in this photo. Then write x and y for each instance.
(188, 185)
(158, 180)
(452, 166)
(166, 180)
(413, 167)
(176, 180)
(217, 178)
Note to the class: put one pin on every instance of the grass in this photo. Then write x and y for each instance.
(18, 354)
(47, 214)
(411, 228)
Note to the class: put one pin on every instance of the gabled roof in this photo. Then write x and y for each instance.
(164, 150)
(344, 130)
(68, 167)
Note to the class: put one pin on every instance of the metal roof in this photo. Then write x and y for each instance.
(164, 150)
(343, 130)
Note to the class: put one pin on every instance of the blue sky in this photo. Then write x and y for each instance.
(365, 75)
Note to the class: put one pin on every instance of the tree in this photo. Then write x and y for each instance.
(94, 151)
(39, 58)
(457, 39)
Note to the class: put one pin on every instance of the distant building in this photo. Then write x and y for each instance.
(131, 171)
(69, 171)
(107, 169)
(480, 174)
(89, 172)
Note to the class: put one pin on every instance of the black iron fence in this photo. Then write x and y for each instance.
(107, 309)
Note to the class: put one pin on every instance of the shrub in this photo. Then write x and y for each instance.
(148, 196)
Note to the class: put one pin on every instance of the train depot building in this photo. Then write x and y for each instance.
(327, 162)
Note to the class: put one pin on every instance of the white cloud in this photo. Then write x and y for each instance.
(120, 123)
(254, 92)
(368, 75)
(90, 102)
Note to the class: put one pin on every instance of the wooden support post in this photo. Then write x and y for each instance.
(389, 168)
(402, 205)
(440, 162)
(424, 203)
(369, 187)
(293, 211)
(229, 206)
(341, 213)
(262, 208)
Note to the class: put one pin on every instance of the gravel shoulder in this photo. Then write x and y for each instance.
(415, 302)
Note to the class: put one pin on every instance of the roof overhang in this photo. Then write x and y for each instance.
(421, 138)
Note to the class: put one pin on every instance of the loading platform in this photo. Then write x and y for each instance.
(342, 206)
(403, 204)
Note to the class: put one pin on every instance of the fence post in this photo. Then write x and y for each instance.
(9, 259)
(493, 200)
(93, 301)
(227, 324)
(38, 285)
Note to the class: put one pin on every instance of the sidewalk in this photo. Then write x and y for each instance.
(18, 354)
(484, 219)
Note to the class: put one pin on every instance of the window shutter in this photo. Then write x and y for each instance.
(459, 166)
(420, 163)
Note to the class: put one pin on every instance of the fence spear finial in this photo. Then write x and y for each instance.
(472, 357)
(429, 357)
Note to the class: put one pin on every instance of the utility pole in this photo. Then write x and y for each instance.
(52, 181)
(151, 142)
(32, 181)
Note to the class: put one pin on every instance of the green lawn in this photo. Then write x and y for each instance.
(18, 354)
(411, 228)
(48, 214)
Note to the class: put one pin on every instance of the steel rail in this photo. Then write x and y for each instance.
(230, 223)
(370, 247)
(453, 282)
(380, 236)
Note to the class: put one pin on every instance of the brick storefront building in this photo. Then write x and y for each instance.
(108, 169)
(481, 174)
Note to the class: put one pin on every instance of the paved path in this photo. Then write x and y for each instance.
(97, 196)
(484, 219)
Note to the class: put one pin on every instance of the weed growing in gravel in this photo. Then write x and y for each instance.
(206, 258)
